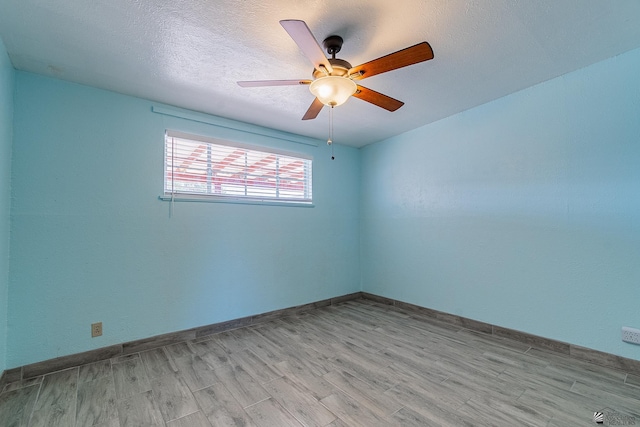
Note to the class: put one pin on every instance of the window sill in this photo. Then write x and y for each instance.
(240, 201)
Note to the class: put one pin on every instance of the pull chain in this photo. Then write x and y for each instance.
(173, 173)
(330, 140)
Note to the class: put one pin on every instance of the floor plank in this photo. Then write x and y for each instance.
(365, 393)
(56, 404)
(221, 408)
(269, 413)
(352, 412)
(197, 371)
(94, 371)
(96, 401)
(139, 410)
(255, 366)
(157, 363)
(16, 405)
(173, 397)
(196, 419)
(244, 388)
(130, 376)
(299, 402)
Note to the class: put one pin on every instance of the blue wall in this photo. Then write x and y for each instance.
(524, 212)
(6, 135)
(92, 242)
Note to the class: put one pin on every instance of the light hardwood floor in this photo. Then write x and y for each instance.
(358, 363)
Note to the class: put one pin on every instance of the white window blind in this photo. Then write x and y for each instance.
(226, 170)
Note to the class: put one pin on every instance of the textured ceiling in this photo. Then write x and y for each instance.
(191, 53)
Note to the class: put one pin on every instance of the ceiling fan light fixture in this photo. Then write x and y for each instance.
(333, 90)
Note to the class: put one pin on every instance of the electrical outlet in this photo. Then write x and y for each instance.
(630, 335)
(96, 329)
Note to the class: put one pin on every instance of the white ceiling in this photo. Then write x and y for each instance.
(191, 53)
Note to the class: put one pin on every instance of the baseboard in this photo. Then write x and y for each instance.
(579, 353)
(573, 351)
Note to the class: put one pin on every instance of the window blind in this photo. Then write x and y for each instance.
(210, 167)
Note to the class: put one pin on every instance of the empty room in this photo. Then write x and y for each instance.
(319, 213)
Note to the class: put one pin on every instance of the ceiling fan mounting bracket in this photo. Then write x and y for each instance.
(333, 44)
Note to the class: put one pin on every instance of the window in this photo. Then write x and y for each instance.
(222, 170)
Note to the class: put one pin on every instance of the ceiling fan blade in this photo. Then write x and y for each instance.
(302, 35)
(313, 110)
(402, 58)
(376, 98)
(259, 83)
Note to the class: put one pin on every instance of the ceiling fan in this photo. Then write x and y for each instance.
(334, 79)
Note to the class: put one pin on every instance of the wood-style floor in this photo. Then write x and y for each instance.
(358, 363)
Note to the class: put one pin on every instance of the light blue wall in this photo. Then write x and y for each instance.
(92, 242)
(524, 212)
(6, 135)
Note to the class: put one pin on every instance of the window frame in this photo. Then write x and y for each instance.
(171, 194)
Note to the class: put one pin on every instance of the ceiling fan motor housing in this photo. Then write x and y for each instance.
(340, 68)
(332, 45)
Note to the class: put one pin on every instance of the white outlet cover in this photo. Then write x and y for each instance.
(631, 335)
